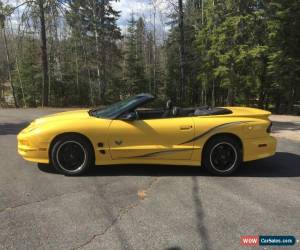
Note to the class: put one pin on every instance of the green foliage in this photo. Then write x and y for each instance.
(94, 40)
(244, 48)
(134, 69)
(236, 52)
(27, 75)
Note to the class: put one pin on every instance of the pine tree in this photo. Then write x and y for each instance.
(30, 73)
(134, 79)
(284, 59)
(99, 28)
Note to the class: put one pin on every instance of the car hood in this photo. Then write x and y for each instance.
(74, 115)
(63, 116)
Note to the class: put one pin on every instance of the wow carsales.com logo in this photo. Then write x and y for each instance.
(254, 240)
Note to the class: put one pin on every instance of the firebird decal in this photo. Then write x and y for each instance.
(160, 152)
(212, 129)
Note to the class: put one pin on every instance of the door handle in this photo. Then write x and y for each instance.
(186, 127)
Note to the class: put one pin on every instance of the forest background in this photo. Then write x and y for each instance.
(196, 52)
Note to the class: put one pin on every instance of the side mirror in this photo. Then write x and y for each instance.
(129, 117)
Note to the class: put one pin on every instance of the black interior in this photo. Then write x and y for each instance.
(173, 111)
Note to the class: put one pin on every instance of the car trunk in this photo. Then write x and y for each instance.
(249, 112)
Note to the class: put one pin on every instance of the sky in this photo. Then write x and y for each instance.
(138, 7)
(142, 8)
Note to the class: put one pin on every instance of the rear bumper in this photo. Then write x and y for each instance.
(259, 148)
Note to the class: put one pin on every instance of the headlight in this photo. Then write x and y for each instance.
(31, 129)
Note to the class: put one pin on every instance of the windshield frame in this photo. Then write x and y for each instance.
(115, 110)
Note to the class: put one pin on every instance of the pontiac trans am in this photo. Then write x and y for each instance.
(219, 139)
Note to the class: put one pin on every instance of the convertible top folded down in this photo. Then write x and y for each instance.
(181, 112)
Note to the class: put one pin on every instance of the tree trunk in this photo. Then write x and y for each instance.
(9, 68)
(44, 53)
(291, 100)
(17, 67)
(103, 52)
(77, 73)
(202, 12)
(278, 104)
(266, 107)
(213, 102)
(154, 53)
(263, 85)
(181, 50)
(88, 70)
(21, 82)
(97, 52)
(149, 63)
(229, 100)
(261, 99)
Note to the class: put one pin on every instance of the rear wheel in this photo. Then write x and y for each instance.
(222, 155)
(71, 155)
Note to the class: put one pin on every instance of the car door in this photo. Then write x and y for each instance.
(152, 139)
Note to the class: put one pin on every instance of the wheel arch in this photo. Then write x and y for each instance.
(71, 134)
(234, 136)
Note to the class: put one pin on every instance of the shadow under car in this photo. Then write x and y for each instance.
(282, 164)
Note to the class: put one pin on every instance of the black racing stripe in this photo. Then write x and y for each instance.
(210, 130)
(160, 152)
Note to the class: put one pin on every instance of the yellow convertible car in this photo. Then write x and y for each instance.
(219, 139)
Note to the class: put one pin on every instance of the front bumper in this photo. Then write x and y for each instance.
(259, 148)
(31, 148)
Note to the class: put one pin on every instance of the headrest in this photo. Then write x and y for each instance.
(175, 111)
(199, 112)
(169, 104)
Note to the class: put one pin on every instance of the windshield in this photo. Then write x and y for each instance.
(116, 109)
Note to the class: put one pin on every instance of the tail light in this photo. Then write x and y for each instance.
(269, 129)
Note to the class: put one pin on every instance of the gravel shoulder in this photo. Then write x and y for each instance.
(285, 126)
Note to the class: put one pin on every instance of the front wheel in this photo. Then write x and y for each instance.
(222, 155)
(71, 155)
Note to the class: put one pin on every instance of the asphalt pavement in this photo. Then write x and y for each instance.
(144, 207)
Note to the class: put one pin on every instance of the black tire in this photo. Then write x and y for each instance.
(72, 155)
(222, 155)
